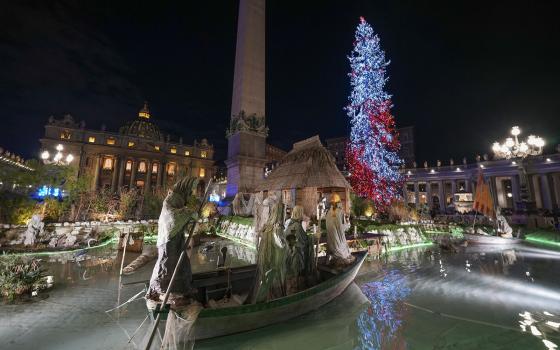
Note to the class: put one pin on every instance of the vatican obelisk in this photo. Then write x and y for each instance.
(247, 132)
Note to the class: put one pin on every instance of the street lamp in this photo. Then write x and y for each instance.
(512, 148)
(59, 158)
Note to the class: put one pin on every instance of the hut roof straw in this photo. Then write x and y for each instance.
(308, 164)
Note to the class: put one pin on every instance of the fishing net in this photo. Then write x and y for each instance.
(175, 333)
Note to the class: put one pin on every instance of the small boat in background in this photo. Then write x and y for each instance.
(495, 240)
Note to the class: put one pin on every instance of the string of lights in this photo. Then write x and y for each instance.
(373, 160)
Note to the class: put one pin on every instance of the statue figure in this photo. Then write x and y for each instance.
(258, 221)
(485, 156)
(337, 247)
(464, 160)
(425, 164)
(301, 254)
(321, 208)
(241, 206)
(438, 163)
(414, 165)
(177, 212)
(270, 283)
(478, 157)
(35, 228)
(451, 162)
(504, 230)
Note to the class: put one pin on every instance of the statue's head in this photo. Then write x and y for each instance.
(297, 212)
(184, 188)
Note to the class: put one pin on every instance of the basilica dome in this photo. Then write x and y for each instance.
(142, 126)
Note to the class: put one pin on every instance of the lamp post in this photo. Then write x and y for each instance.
(511, 148)
(58, 158)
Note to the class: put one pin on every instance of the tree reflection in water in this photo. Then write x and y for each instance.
(381, 323)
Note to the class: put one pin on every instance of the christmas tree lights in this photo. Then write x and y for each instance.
(372, 156)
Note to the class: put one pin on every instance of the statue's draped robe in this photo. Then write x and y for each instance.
(171, 241)
(336, 240)
(271, 260)
(301, 256)
(258, 219)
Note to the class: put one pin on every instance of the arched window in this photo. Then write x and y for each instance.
(202, 172)
(203, 154)
(142, 167)
(173, 150)
(171, 168)
(128, 165)
(107, 163)
(155, 168)
(65, 135)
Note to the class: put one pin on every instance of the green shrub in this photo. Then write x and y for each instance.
(16, 208)
(19, 276)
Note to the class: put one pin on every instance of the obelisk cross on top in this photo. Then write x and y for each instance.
(247, 131)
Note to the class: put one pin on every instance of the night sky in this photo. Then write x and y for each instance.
(462, 73)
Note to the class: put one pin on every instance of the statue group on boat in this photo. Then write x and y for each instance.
(287, 252)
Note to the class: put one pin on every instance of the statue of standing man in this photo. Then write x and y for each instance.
(337, 246)
(178, 210)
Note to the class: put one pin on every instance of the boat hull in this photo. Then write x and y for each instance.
(493, 240)
(219, 322)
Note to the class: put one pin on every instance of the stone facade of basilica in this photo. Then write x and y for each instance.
(137, 156)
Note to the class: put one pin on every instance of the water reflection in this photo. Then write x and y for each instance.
(479, 298)
(382, 324)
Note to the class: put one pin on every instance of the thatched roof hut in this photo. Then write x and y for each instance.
(305, 173)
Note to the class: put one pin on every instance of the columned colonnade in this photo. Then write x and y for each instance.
(437, 186)
(118, 171)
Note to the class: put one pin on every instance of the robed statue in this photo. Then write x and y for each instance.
(177, 213)
(337, 246)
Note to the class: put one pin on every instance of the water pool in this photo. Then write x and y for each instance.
(420, 298)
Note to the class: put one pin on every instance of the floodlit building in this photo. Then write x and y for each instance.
(138, 155)
(516, 184)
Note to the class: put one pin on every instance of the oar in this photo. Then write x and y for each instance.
(181, 258)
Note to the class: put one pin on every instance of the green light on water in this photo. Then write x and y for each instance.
(236, 240)
(543, 241)
(402, 247)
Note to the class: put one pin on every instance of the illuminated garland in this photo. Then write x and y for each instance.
(372, 155)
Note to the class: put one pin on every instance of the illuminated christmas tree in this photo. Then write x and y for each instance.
(373, 161)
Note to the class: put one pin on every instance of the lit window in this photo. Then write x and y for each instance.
(139, 183)
(155, 167)
(203, 154)
(107, 163)
(142, 167)
(171, 169)
(173, 150)
(129, 165)
(156, 148)
(91, 139)
(110, 141)
(202, 172)
(65, 135)
(187, 153)
(130, 144)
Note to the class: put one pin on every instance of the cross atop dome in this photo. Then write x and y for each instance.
(145, 111)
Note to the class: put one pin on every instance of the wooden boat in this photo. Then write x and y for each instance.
(495, 240)
(229, 320)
